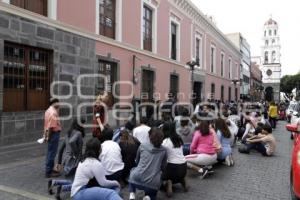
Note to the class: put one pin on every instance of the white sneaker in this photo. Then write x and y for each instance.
(227, 161)
(41, 140)
(231, 161)
(131, 196)
(146, 198)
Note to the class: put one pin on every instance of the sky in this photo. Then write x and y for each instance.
(248, 17)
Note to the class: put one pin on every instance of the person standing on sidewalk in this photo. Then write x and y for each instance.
(52, 128)
(273, 113)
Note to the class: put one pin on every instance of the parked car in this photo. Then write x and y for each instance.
(293, 109)
(295, 165)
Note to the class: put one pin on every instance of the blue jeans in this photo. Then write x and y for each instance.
(226, 151)
(186, 149)
(258, 146)
(148, 191)
(96, 193)
(66, 185)
(51, 151)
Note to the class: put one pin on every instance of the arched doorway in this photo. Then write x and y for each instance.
(269, 94)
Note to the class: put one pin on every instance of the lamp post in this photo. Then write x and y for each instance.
(192, 65)
(235, 82)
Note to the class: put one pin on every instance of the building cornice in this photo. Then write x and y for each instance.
(191, 10)
(11, 9)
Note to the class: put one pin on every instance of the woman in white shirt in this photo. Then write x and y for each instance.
(91, 168)
(177, 166)
(111, 156)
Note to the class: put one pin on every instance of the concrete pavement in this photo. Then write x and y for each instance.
(252, 177)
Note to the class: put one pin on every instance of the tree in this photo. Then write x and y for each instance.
(288, 83)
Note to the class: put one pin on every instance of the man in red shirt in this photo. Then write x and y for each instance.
(52, 128)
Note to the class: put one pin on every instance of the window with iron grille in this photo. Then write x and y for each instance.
(37, 6)
(173, 41)
(147, 85)
(229, 94)
(147, 28)
(109, 71)
(107, 18)
(174, 84)
(26, 78)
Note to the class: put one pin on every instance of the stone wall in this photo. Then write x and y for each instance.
(72, 55)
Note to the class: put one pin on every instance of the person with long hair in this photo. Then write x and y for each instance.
(224, 136)
(102, 101)
(203, 150)
(90, 182)
(176, 160)
(151, 160)
(185, 129)
(91, 168)
(71, 148)
(69, 156)
(129, 146)
(247, 130)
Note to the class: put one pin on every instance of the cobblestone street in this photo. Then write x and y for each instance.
(252, 177)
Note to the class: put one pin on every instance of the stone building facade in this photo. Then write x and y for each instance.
(72, 55)
(67, 50)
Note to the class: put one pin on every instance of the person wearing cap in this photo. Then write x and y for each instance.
(52, 129)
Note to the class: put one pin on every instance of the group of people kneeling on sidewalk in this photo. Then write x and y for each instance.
(152, 157)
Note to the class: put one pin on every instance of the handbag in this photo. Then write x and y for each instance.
(70, 166)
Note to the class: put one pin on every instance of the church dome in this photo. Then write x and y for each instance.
(270, 22)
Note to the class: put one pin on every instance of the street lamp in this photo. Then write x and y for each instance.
(192, 65)
(235, 82)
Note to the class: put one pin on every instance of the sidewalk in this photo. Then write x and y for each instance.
(252, 177)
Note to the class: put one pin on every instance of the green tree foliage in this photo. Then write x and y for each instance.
(288, 83)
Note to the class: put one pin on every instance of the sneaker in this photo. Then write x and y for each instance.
(231, 161)
(203, 172)
(209, 169)
(243, 149)
(227, 161)
(169, 188)
(146, 198)
(50, 187)
(58, 191)
(52, 175)
(132, 196)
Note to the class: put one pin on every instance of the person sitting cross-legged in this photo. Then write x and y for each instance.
(264, 142)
